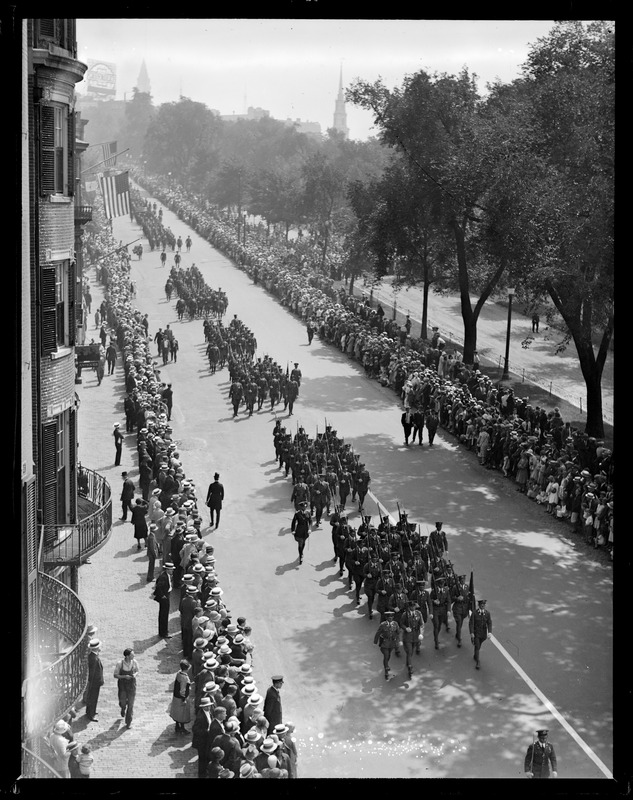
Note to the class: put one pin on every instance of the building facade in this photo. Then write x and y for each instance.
(53, 528)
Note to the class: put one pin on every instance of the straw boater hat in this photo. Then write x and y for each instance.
(269, 745)
(61, 726)
(94, 644)
(254, 699)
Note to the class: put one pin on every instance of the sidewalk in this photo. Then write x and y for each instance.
(116, 596)
(537, 371)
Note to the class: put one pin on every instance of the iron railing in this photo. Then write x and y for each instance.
(83, 214)
(53, 689)
(34, 766)
(67, 544)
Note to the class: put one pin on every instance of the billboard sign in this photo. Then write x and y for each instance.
(100, 78)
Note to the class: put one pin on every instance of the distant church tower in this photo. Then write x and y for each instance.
(340, 115)
(142, 82)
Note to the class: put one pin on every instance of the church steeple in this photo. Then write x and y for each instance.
(340, 115)
(142, 82)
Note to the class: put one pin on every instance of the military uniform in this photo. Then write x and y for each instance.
(480, 626)
(461, 606)
(540, 759)
(440, 602)
(411, 624)
(388, 639)
(300, 526)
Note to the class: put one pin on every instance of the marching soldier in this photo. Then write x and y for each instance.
(385, 587)
(438, 542)
(388, 639)
(461, 606)
(440, 601)
(273, 391)
(250, 395)
(262, 391)
(411, 623)
(300, 527)
(236, 393)
(300, 493)
(332, 481)
(371, 573)
(480, 627)
(361, 485)
(420, 596)
(398, 601)
(296, 375)
(319, 498)
(292, 391)
(344, 486)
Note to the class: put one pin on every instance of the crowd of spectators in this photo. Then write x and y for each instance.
(552, 462)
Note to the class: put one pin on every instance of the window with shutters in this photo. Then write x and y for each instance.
(57, 137)
(58, 306)
(60, 32)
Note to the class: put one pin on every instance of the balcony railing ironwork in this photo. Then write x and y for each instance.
(67, 544)
(54, 688)
(83, 214)
(34, 766)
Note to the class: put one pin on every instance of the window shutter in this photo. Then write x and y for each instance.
(49, 480)
(71, 122)
(49, 312)
(47, 28)
(47, 150)
(72, 294)
(72, 462)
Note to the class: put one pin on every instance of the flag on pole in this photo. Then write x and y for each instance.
(109, 154)
(116, 194)
(471, 591)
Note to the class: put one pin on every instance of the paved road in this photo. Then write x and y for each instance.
(449, 720)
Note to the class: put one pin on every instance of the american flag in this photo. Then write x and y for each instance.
(109, 154)
(116, 194)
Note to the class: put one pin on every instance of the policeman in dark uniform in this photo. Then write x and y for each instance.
(540, 759)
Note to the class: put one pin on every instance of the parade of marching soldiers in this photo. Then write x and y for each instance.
(405, 575)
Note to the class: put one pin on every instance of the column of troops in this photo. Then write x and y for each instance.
(406, 576)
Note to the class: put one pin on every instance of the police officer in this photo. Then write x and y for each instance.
(388, 639)
(540, 759)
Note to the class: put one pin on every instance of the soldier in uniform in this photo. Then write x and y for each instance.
(421, 597)
(371, 573)
(319, 498)
(344, 486)
(461, 606)
(300, 492)
(411, 623)
(262, 391)
(250, 396)
(300, 527)
(540, 759)
(440, 601)
(438, 542)
(388, 639)
(385, 587)
(273, 390)
(398, 601)
(236, 393)
(361, 485)
(296, 375)
(292, 391)
(480, 626)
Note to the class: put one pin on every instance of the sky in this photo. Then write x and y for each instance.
(292, 67)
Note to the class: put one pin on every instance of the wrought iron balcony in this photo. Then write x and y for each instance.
(73, 543)
(36, 766)
(83, 215)
(57, 674)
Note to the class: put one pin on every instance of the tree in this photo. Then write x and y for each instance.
(433, 122)
(564, 225)
(182, 134)
(139, 113)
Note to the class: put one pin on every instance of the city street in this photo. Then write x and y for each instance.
(544, 587)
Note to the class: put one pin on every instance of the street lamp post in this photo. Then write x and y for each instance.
(506, 366)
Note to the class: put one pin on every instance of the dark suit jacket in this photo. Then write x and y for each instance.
(215, 729)
(127, 493)
(215, 495)
(272, 707)
(200, 730)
